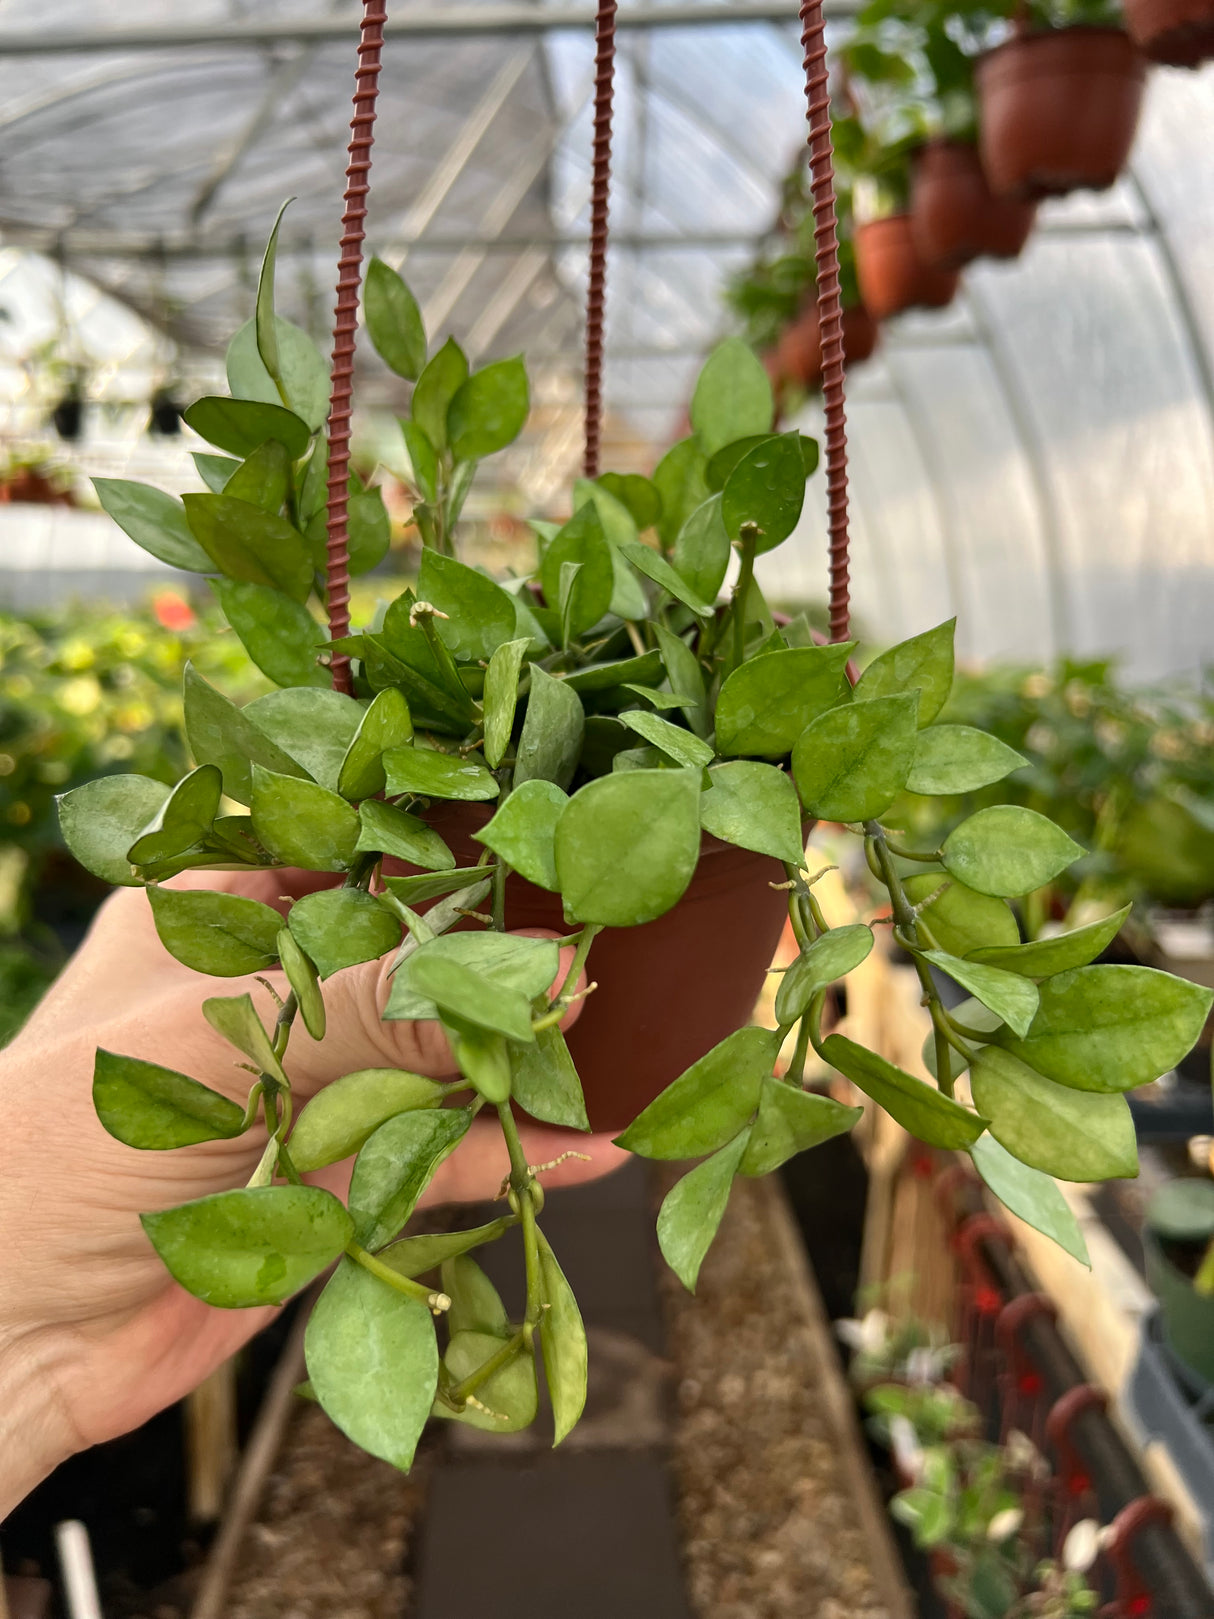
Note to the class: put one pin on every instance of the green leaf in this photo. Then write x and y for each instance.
(313, 727)
(143, 1105)
(732, 397)
(693, 1209)
(262, 478)
(959, 919)
(923, 664)
(627, 846)
(255, 1246)
(214, 470)
(235, 1018)
(482, 1055)
(595, 677)
(654, 566)
(221, 734)
(480, 615)
(523, 830)
(436, 388)
(766, 488)
(916, 1106)
(709, 1102)
(1072, 1134)
(391, 831)
(550, 743)
(340, 927)
(422, 460)
(340, 1119)
(413, 890)
(1060, 953)
(225, 935)
(394, 321)
(304, 370)
(1008, 995)
(1112, 1028)
(368, 529)
(501, 697)
(280, 635)
(402, 655)
(829, 958)
(686, 679)
(959, 759)
(303, 824)
(641, 496)
(563, 1344)
(679, 480)
(851, 763)
(510, 1394)
(248, 543)
(1007, 850)
(154, 520)
(515, 962)
(101, 820)
(792, 1121)
(489, 410)
(546, 1082)
(414, 1256)
(373, 1363)
(673, 740)
(1032, 1196)
(724, 461)
(241, 425)
(701, 549)
(580, 540)
(385, 724)
(476, 1305)
(756, 807)
(394, 1168)
(437, 775)
(471, 996)
(304, 981)
(765, 705)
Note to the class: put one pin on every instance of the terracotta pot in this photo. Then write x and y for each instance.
(1057, 110)
(892, 276)
(1179, 32)
(954, 216)
(798, 355)
(668, 990)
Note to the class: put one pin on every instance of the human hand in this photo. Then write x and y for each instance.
(95, 1336)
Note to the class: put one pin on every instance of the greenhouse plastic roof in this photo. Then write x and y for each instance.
(1039, 458)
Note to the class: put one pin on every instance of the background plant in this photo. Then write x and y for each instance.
(610, 708)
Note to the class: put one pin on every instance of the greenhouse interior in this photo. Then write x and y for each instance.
(607, 809)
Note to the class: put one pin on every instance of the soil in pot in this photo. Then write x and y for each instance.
(955, 217)
(669, 990)
(1057, 110)
(798, 354)
(892, 276)
(1178, 32)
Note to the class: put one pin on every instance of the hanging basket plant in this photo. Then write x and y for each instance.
(607, 741)
(955, 217)
(1058, 110)
(892, 275)
(1179, 33)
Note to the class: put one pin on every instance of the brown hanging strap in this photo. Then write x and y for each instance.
(345, 324)
(830, 309)
(604, 85)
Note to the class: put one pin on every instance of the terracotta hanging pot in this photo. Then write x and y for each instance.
(892, 276)
(955, 218)
(668, 990)
(1057, 110)
(1178, 32)
(798, 354)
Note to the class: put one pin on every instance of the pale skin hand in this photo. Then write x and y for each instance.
(95, 1337)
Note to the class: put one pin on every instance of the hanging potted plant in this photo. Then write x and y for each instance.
(1179, 33)
(920, 59)
(601, 744)
(1058, 103)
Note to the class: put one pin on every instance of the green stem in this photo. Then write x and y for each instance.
(251, 1106)
(523, 1186)
(402, 1284)
(748, 539)
(911, 854)
(588, 935)
(457, 1395)
(796, 1068)
(282, 1027)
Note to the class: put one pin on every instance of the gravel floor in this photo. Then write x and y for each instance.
(769, 1527)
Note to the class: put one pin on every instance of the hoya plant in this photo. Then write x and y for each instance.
(602, 724)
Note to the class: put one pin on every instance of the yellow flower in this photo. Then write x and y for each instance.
(80, 696)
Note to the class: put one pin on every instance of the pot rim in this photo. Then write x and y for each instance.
(1037, 37)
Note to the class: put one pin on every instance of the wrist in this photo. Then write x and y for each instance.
(33, 1436)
